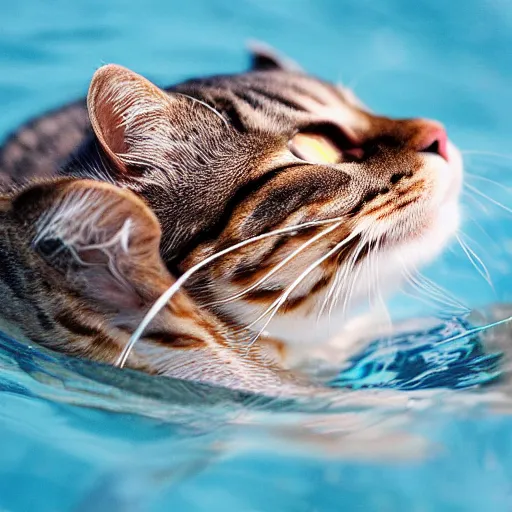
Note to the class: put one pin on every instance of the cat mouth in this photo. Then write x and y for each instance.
(419, 202)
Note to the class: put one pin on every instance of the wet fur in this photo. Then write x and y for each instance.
(81, 268)
(211, 158)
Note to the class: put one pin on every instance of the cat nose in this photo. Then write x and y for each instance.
(432, 138)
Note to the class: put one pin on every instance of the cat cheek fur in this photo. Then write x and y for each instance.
(415, 235)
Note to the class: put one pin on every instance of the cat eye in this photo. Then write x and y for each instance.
(315, 148)
(325, 144)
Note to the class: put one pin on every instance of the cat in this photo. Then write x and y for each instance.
(80, 269)
(356, 199)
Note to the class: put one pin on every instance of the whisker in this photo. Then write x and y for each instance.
(432, 287)
(367, 265)
(160, 303)
(426, 298)
(476, 200)
(434, 292)
(336, 286)
(338, 282)
(486, 153)
(485, 196)
(490, 239)
(341, 280)
(488, 180)
(274, 307)
(279, 266)
(442, 295)
(355, 275)
(371, 273)
(475, 243)
(472, 256)
(328, 295)
(338, 277)
(476, 330)
(209, 107)
(380, 297)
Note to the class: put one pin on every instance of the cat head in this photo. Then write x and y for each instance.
(228, 158)
(81, 268)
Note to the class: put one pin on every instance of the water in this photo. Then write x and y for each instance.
(421, 423)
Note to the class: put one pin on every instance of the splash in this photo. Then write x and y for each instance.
(449, 355)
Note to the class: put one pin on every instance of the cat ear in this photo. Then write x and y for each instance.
(125, 108)
(265, 58)
(102, 239)
(102, 243)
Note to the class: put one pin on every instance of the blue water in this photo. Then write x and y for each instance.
(422, 421)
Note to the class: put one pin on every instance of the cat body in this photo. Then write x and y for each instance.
(354, 199)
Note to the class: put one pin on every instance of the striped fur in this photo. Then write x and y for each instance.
(80, 269)
(218, 161)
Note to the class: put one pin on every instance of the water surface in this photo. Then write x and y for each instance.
(420, 424)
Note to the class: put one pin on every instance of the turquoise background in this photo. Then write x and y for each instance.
(80, 437)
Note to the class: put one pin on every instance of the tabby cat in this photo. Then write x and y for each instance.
(355, 200)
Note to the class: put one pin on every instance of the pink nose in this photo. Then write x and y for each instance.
(432, 138)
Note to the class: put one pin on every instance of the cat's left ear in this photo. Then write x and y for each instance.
(265, 58)
(134, 120)
(103, 240)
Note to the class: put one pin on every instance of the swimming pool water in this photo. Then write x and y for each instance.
(421, 423)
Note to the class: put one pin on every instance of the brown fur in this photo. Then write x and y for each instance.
(60, 289)
(216, 161)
